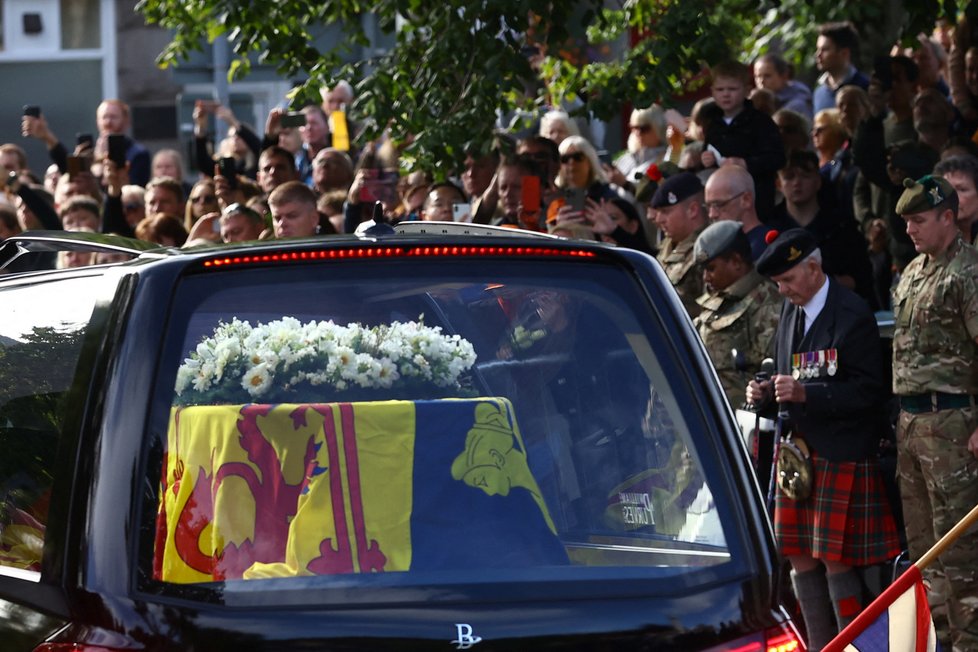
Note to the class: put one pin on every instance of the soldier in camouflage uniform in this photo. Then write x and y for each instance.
(740, 308)
(679, 213)
(935, 376)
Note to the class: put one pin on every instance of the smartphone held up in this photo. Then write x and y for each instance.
(117, 149)
(462, 212)
(574, 197)
(293, 119)
(227, 168)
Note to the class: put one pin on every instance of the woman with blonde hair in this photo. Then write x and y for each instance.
(854, 107)
(201, 201)
(828, 135)
(579, 164)
(580, 179)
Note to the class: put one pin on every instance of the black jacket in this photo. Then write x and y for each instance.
(754, 137)
(841, 417)
(844, 249)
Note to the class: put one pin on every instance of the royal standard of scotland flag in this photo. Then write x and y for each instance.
(897, 621)
(282, 490)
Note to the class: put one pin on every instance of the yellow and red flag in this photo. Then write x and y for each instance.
(282, 490)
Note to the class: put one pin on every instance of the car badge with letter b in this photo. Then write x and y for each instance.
(465, 638)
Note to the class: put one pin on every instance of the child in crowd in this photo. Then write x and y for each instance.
(743, 135)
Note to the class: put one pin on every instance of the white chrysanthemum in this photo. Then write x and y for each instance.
(257, 380)
(346, 362)
(367, 370)
(386, 373)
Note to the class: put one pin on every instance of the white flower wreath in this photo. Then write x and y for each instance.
(276, 360)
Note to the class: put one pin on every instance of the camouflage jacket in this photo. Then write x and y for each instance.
(680, 266)
(935, 310)
(743, 317)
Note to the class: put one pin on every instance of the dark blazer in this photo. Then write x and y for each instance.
(842, 416)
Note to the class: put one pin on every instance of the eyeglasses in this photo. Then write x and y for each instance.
(644, 129)
(719, 205)
(572, 156)
(203, 198)
(132, 207)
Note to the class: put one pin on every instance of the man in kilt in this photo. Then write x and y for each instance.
(830, 377)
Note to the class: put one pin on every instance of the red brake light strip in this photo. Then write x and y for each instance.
(397, 252)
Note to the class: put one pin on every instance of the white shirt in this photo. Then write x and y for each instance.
(814, 306)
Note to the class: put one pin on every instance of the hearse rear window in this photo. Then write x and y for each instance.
(431, 423)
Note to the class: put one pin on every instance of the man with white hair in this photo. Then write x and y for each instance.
(337, 98)
(830, 393)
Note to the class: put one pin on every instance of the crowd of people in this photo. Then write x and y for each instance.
(783, 215)
(829, 159)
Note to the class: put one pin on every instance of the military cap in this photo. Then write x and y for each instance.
(647, 182)
(924, 194)
(676, 188)
(716, 239)
(785, 251)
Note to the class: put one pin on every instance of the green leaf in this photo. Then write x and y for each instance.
(454, 65)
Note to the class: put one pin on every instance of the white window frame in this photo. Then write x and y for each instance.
(106, 54)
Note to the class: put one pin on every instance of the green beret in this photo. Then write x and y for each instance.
(924, 194)
(716, 239)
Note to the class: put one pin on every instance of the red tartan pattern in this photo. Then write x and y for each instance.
(847, 519)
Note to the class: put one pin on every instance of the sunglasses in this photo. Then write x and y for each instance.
(643, 129)
(203, 198)
(573, 156)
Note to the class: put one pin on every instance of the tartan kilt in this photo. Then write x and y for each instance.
(847, 518)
